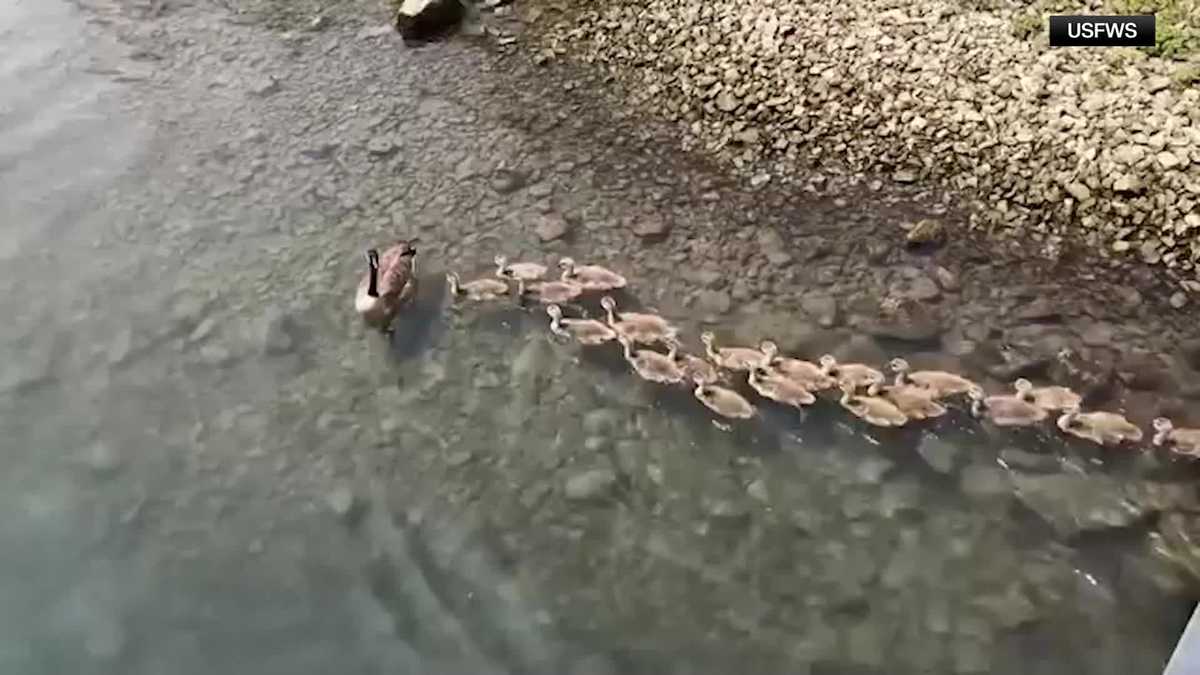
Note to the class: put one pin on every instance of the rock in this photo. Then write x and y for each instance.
(1073, 503)
(279, 333)
(590, 484)
(867, 644)
(873, 469)
(981, 481)
(507, 181)
(823, 308)
(757, 489)
(911, 329)
(528, 371)
(101, 459)
(651, 227)
(602, 422)
(727, 102)
(939, 454)
(1168, 160)
(1016, 458)
(713, 302)
(946, 279)
(458, 458)
(1079, 191)
(423, 19)
(1097, 335)
(344, 503)
(926, 231)
(381, 146)
(551, 228)
(904, 176)
(265, 86)
(921, 289)
(369, 32)
(1011, 609)
(1178, 300)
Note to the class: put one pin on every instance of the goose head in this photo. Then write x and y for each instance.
(827, 363)
(567, 265)
(1162, 429)
(707, 338)
(554, 311)
(898, 365)
(769, 349)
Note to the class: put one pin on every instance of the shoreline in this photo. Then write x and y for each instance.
(1059, 148)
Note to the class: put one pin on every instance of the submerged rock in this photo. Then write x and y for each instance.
(590, 484)
(1072, 504)
(939, 454)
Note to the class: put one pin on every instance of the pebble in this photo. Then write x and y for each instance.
(651, 227)
(714, 302)
(938, 453)
(101, 459)
(1178, 300)
(506, 181)
(381, 146)
(551, 228)
(590, 484)
(342, 501)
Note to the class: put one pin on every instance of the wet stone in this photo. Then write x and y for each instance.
(823, 308)
(458, 458)
(1072, 503)
(1010, 609)
(551, 228)
(506, 181)
(982, 481)
(265, 86)
(651, 227)
(101, 459)
(714, 302)
(604, 422)
(757, 489)
(939, 454)
(343, 502)
(381, 146)
(590, 484)
(873, 469)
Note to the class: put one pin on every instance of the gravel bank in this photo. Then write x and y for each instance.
(1102, 146)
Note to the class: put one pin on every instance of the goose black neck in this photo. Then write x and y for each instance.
(373, 280)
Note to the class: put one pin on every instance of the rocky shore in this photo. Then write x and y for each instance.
(1050, 146)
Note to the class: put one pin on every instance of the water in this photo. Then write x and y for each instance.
(209, 465)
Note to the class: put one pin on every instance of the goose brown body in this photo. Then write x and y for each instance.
(806, 373)
(915, 402)
(591, 277)
(651, 365)
(872, 409)
(940, 382)
(549, 292)
(854, 374)
(523, 271)
(1181, 441)
(638, 326)
(584, 331)
(1100, 427)
(724, 402)
(780, 388)
(730, 358)
(477, 290)
(1005, 410)
(389, 284)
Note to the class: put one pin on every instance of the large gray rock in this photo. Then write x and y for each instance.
(1075, 503)
(424, 19)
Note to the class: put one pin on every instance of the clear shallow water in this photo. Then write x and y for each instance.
(209, 466)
